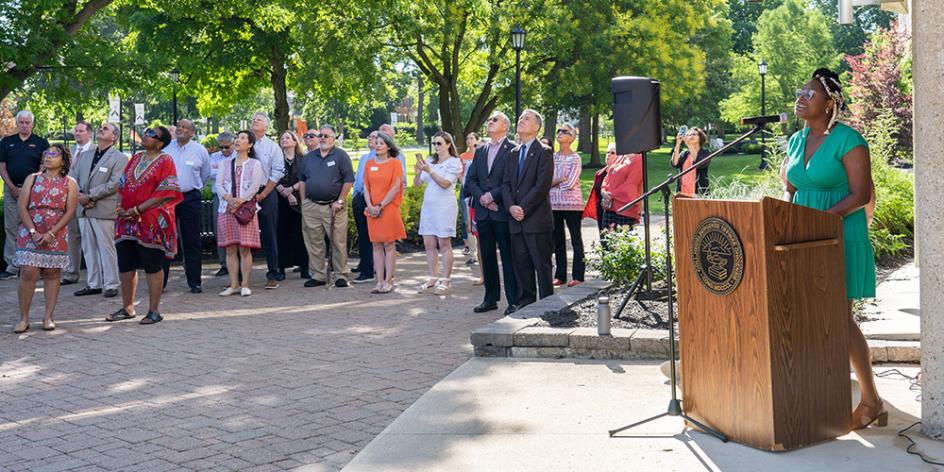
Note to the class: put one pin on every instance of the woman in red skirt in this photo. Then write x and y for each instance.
(237, 181)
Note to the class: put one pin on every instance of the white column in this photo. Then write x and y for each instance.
(928, 46)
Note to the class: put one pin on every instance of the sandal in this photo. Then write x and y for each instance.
(377, 288)
(387, 288)
(864, 415)
(442, 287)
(21, 327)
(478, 282)
(151, 318)
(430, 283)
(51, 325)
(119, 315)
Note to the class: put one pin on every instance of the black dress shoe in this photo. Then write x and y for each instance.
(87, 291)
(485, 306)
(68, 282)
(196, 289)
(511, 309)
(223, 271)
(313, 283)
(112, 292)
(356, 270)
(341, 283)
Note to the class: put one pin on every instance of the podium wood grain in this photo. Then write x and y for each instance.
(767, 364)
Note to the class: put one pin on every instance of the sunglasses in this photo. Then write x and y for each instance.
(150, 133)
(439, 143)
(808, 94)
(226, 147)
(564, 131)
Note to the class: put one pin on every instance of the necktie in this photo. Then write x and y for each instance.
(521, 158)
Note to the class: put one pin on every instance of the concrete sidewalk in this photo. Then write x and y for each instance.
(895, 315)
(514, 415)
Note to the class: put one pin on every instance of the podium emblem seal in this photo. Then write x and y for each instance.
(717, 256)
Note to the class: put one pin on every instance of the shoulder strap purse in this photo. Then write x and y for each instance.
(247, 211)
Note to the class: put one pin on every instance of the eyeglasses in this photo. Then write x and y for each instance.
(51, 153)
(493, 119)
(439, 143)
(564, 131)
(326, 136)
(226, 147)
(808, 94)
(150, 133)
(310, 135)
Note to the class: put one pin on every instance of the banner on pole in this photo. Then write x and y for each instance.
(114, 110)
(138, 114)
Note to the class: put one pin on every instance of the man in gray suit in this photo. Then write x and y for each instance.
(83, 142)
(98, 171)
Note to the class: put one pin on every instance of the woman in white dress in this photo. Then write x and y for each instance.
(440, 209)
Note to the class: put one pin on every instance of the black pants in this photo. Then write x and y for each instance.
(532, 256)
(189, 213)
(268, 226)
(494, 235)
(570, 219)
(364, 247)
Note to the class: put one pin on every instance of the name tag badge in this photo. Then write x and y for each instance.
(330, 163)
(374, 169)
(103, 169)
(189, 163)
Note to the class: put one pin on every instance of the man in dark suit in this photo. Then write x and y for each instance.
(483, 185)
(526, 191)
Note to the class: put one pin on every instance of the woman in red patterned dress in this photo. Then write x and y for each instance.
(42, 246)
(145, 232)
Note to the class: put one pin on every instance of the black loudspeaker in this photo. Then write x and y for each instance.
(637, 114)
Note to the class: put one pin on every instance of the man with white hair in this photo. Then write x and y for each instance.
(83, 142)
(226, 141)
(529, 172)
(273, 166)
(20, 155)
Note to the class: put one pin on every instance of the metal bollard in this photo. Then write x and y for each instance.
(603, 316)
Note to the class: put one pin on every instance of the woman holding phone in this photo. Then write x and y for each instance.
(692, 183)
(440, 209)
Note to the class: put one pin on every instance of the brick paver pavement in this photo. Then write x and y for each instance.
(285, 378)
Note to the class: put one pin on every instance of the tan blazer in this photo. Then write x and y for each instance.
(100, 183)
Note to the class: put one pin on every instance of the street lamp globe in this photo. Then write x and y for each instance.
(175, 75)
(762, 67)
(517, 38)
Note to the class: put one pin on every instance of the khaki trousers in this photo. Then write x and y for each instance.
(101, 257)
(316, 222)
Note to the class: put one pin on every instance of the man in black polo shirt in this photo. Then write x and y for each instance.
(20, 155)
(325, 178)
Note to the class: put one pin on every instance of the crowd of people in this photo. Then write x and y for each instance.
(517, 200)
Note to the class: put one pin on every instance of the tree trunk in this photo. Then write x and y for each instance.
(594, 141)
(585, 144)
(279, 72)
(420, 132)
(550, 126)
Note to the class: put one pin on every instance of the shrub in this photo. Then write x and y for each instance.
(621, 253)
(893, 221)
(210, 143)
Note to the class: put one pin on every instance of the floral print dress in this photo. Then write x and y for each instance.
(47, 205)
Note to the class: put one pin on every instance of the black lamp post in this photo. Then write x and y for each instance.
(762, 69)
(175, 76)
(517, 43)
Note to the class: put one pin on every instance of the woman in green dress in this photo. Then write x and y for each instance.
(827, 168)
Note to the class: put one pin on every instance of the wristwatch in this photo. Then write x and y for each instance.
(341, 202)
(32, 230)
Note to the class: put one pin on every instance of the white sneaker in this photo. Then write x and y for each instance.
(245, 291)
(229, 291)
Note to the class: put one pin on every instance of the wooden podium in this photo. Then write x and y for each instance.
(766, 363)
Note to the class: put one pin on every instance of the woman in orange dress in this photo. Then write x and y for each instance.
(383, 193)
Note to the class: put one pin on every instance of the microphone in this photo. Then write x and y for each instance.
(763, 120)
